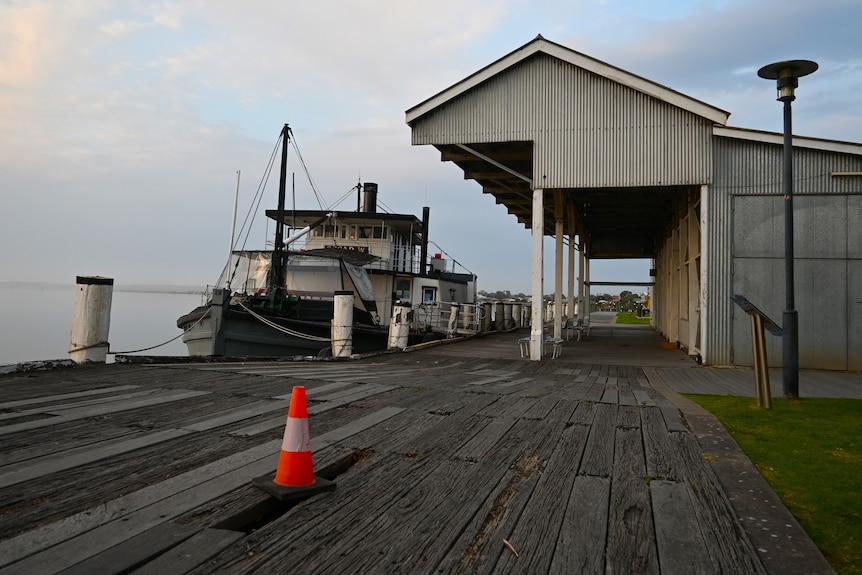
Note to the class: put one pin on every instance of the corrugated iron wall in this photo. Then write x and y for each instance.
(745, 235)
(609, 135)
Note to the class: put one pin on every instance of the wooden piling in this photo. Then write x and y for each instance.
(342, 324)
(399, 326)
(91, 319)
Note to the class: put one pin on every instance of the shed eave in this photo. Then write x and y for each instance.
(540, 44)
(778, 139)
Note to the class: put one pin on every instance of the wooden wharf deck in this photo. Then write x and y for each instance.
(455, 459)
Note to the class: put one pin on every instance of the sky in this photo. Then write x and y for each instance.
(123, 124)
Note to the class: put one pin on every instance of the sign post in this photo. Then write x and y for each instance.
(759, 322)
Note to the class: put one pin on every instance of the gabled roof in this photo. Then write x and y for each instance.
(541, 45)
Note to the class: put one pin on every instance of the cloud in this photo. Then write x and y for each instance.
(126, 122)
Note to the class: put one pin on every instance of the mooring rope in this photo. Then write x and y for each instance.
(200, 319)
(282, 329)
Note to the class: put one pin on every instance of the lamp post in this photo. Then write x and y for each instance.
(787, 74)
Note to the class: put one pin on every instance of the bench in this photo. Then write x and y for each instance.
(571, 327)
(555, 342)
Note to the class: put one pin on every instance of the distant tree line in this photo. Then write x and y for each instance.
(504, 295)
(627, 301)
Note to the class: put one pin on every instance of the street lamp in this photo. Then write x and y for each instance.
(787, 74)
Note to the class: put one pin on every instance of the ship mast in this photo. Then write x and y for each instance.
(277, 278)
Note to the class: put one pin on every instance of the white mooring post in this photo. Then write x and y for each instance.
(452, 330)
(488, 320)
(508, 320)
(91, 319)
(399, 326)
(342, 325)
(468, 318)
(499, 319)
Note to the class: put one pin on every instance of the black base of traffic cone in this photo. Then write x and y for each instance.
(286, 493)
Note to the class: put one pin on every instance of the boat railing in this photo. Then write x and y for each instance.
(437, 314)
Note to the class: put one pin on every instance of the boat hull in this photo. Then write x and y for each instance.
(233, 332)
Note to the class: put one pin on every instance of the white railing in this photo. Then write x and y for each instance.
(437, 314)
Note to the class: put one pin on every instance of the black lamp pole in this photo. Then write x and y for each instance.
(787, 74)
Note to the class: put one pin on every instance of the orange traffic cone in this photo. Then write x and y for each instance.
(295, 474)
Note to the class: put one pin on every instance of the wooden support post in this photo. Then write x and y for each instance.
(537, 277)
(558, 264)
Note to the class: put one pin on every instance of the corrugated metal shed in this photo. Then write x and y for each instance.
(746, 244)
(636, 169)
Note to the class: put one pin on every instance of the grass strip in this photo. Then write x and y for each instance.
(631, 318)
(810, 452)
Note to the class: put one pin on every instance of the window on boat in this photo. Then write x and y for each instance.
(375, 232)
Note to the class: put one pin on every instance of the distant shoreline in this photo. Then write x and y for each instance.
(132, 288)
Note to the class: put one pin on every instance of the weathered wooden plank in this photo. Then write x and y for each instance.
(515, 382)
(66, 396)
(64, 460)
(583, 414)
(361, 390)
(508, 406)
(482, 443)
(661, 462)
(92, 411)
(90, 532)
(610, 395)
(237, 414)
(540, 522)
(681, 547)
(540, 409)
(357, 425)
(566, 371)
(631, 534)
(488, 380)
(595, 391)
(94, 530)
(328, 526)
(135, 551)
(581, 541)
(480, 545)
(599, 455)
(57, 409)
(316, 390)
(629, 416)
(314, 409)
(194, 551)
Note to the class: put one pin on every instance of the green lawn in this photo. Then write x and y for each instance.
(630, 317)
(810, 452)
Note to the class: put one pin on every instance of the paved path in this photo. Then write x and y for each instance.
(456, 458)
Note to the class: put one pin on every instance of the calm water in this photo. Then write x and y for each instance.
(36, 323)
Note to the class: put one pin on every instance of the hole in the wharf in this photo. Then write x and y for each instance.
(269, 509)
